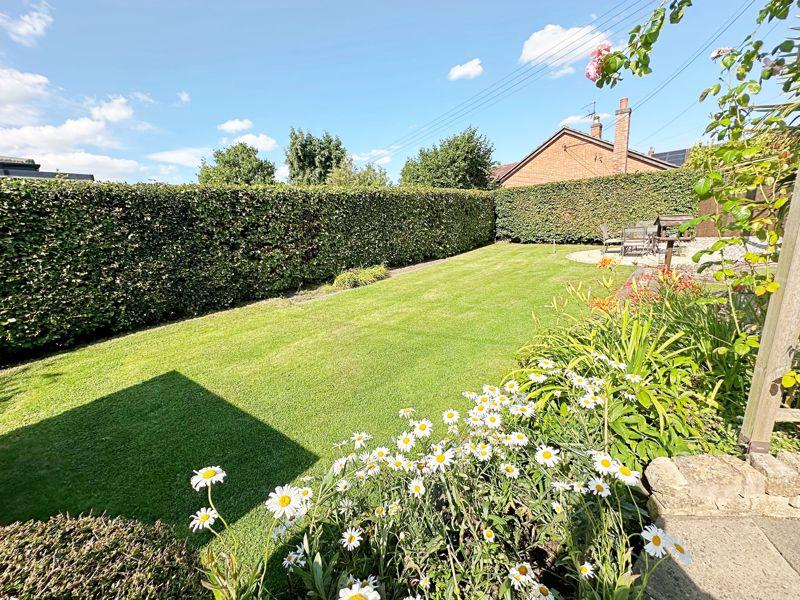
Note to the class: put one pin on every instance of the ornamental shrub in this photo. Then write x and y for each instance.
(95, 557)
(82, 260)
(571, 212)
(360, 276)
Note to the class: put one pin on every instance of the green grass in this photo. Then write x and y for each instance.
(262, 390)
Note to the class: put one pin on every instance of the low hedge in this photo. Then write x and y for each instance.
(571, 212)
(96, 557)
(83, 260)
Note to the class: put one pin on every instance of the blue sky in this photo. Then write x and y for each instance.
(140, 90)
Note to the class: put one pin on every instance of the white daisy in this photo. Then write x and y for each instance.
(285, 501)
(599, 487)
(520, 439)
(604, 464)
(450, 416)
(580, 381)
(360, 439)
(586, 570)
(397, 462)
(546, 364)
(359, 592)
(561, 485)
(509, 470)
(306, 493)
(543, 592)
(626, 475)
(512, 387)
(207, 476)
(656, 540)
(484, 451)
(440, 459)
(343, 485)
(493, 421)
(475, 421)
(557, 508)
(203, 519)
(537, 377)
(520, 575)
(407, 412)
(351, 539)
(492, 390)
(416, 488)
(620, 366)
(528, 409)
(579, 487)
(339, 465)
(633, 377)
(380, 453)
(488, 534)
(547, 455)
(677, 548)
(406, 441)
(422, 428)
(628, 396)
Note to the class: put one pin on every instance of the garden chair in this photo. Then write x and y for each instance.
(609, 240)
(636, 239)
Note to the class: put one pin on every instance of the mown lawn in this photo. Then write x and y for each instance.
(263, 390)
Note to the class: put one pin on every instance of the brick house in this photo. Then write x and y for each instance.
(573, 154)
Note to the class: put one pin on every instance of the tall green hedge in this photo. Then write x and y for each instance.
(571, 212)
(82, 260)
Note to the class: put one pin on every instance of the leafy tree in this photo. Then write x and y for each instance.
(349, 175)
(461, 161)
(238, 164)
(311, 158)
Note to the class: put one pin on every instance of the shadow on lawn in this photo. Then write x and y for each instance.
(132, 453)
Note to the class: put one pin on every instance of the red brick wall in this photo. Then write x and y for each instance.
(570, 157)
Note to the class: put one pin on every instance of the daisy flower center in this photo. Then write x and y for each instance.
(523, 570)
(203, 518)
(605, 462)
(544, 590)
(584, 570)
(209, 473)
(546, 454)
(285, 501)
(358, 597)
(440, 458)
(624, 470)
(656, 540)
(680, 549)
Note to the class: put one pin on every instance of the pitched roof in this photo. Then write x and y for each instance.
(589, 139)
(675, 157)
(501, 170)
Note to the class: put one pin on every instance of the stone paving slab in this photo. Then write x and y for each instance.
(734, 558)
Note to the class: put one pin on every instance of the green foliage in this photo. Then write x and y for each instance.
(95, 557)
(359, 276)
(237, 164)
(462, 161)
(310, 158)
(572, 211)
(83, 260)
(349, 175)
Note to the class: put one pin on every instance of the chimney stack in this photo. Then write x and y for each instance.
(597, 128)
(622, 128)
(651, 151)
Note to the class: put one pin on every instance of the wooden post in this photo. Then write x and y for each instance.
(778, 342)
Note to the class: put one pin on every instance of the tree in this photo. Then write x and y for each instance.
(461, 161)
(349, 175)
(237, 164)
(310, 158)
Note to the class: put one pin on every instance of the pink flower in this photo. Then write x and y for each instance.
(594, 69)
(601, 50)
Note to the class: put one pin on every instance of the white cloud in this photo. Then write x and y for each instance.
(381, 154)
(469, 70)
(235, 125)
(562, 72)
(143, 97)
(183, 157)
(29, 27)
(262, 142)
(114, 109)
(578, 119)
(99, 165)
(184, 97)
(282, 172)
(73, 133)
(17, 90)
(556, 46)
(383, 161)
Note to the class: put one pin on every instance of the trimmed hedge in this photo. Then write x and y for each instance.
(83, 260)
(571, 212)
(96, 557)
